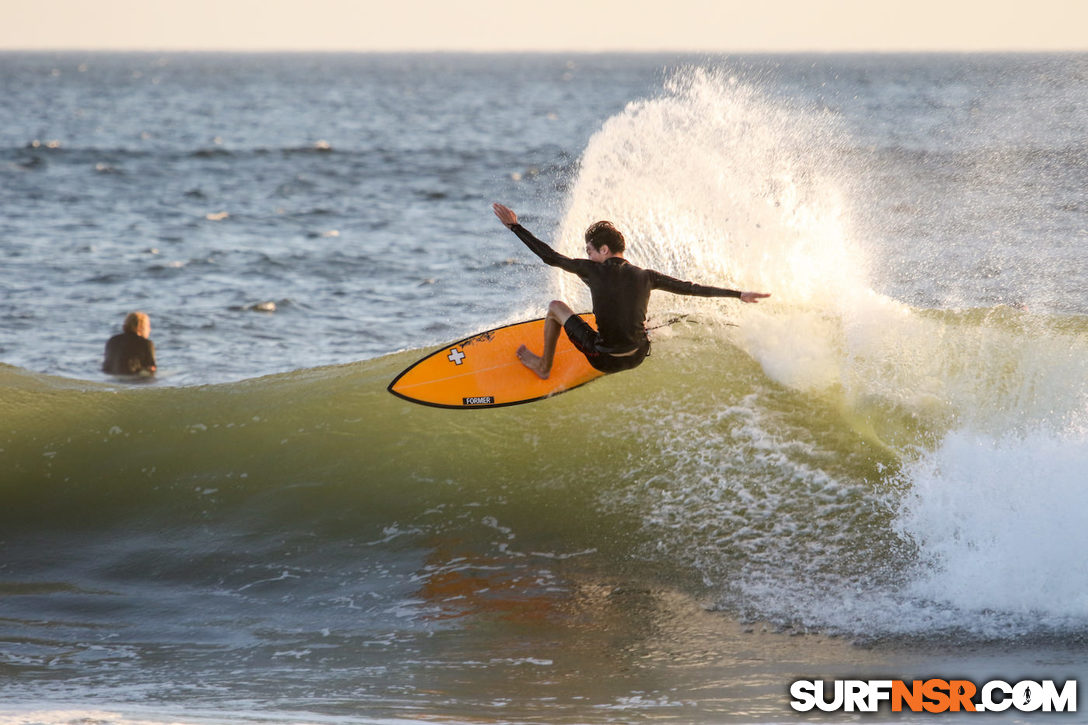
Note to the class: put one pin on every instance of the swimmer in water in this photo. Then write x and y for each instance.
(131, 352)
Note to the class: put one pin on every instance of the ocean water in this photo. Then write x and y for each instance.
(878, 472)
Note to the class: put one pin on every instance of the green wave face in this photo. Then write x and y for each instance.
(708, 466)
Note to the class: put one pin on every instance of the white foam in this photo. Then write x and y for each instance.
(713, 182)
(1001, 522)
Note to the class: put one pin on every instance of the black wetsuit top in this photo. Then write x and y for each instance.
(129, 354)
(620, 292)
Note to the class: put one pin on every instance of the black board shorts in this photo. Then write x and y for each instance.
(586, 340)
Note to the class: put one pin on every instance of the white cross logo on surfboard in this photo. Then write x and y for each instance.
(456, 356)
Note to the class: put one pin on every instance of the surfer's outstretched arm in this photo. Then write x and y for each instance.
(682, 287)
(547, 255)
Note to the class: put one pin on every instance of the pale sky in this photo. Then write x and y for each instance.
(547, 25)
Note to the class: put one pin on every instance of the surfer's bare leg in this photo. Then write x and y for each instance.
(558, 312)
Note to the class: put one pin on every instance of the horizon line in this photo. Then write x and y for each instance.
(555, 51)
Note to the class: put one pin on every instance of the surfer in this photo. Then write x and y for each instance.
(131, 352)
(620, 293)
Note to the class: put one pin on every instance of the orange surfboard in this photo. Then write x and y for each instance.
(483, 371)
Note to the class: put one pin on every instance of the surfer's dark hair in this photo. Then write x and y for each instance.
(601, 233)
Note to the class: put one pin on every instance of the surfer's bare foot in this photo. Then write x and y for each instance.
(533, 362)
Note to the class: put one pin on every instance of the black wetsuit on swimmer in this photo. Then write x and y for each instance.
(129, 354)
(621, 293)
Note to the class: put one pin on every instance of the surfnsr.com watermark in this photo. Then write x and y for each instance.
(933, 695)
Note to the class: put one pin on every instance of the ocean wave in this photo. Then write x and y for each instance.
(829, 509)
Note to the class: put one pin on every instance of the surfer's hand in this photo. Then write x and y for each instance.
(505, 214)
(753, 296)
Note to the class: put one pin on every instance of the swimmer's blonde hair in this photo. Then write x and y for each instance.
(133, 321)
